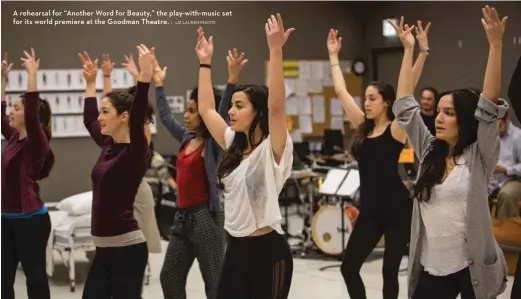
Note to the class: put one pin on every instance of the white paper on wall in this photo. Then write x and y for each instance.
(319, 109)
(336, 107)
(176, 104)
(305, 125)
(317, 70)
(337, 123)
(304, 105)
(314, 85)
(292, 106)
(304, 69)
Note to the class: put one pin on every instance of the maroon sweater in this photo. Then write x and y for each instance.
(119, 169)
(23, 160)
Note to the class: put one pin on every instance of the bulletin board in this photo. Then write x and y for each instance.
(311, 101)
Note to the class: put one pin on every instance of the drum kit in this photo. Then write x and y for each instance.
(330, 206)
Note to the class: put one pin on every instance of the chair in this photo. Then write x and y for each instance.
(508, 235)
(289, 196)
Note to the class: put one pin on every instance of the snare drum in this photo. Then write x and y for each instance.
(326, 228)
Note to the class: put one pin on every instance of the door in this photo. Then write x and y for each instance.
(387, 63)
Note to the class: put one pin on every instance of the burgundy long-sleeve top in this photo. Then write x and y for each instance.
(23, 160)
(119, 170)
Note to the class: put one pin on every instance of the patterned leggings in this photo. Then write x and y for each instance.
(196, 233)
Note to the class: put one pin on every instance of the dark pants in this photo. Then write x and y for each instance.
(24, 240)
(371, 224)
(446, 287)
(516, 288)
(196, 233)
(256, 267)
(117, 272)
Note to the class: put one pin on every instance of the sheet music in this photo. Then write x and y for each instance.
(333, 180)
(350, 185)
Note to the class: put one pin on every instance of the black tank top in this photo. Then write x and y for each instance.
(378, 166)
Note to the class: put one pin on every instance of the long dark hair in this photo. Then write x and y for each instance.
(195, 97)
(433, 165)
(258, 96)
(45, 117)
(364, 129)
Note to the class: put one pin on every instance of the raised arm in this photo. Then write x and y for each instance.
(490, 107)
(138, 110)
(353, 111)
(235, 64)
(7, 130)
(107, 66)
(214, 122)
(406, 108)
(514, 90)
(90, 106)
(277, 37)
(165, 114)
(131, 67)
(37, 140)
(423, 44)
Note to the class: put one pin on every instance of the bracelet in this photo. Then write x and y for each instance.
(106, 76)
(426, 51)
(335, 64)
(205, 65)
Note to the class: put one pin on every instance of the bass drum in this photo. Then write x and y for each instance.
(326, 228)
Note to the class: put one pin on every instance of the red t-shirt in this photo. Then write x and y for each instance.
(192, 185)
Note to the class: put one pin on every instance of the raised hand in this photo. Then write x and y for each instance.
(275, 33)
(204, 47)
(146, 63)
(334, 43)
(6, 67)
(493, 26)
(90, 68)
(107, 65)
(404, 33)
(130, 66)
(235, 63)
(421, 35)
(30, 62)
(159, 74)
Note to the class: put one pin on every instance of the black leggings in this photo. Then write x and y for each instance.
(117, 272)
(24, 240)
(373, 222)
(446, 287)
(256, 267)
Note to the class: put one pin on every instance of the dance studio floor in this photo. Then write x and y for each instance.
(308, 281)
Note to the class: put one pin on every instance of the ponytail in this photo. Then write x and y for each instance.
(45, 115)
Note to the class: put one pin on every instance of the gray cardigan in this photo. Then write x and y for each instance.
(487, 265)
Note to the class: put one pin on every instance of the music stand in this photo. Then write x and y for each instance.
(347, 190)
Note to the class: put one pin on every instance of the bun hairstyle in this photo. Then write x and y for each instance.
(45, 117)
(122, 101)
